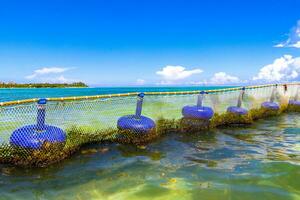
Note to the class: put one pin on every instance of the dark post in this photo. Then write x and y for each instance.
(139, 105)
(200, 98)
(241, 96)
(273, 95)
(41, 114)
(297, 94)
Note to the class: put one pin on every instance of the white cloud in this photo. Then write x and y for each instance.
(50, 75)
(220, 78)
(45, 71)
(176, 73)
(282, 69)
(140, 81)
(223, 78)
(62, 79)
(294, 38)
(296, 45)
(55, 79)
(58, 79)
(280, 45)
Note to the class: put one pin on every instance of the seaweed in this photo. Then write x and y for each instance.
(165, 126)
(228, 119)
(78, 136)
(136, 138)
(261, 113)
(187, 125)
(51, 153)
(293, 108)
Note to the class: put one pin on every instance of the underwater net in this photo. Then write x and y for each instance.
(38, 132)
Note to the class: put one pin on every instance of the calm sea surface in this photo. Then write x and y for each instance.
(258, 162)
(18, 94)
(261, 161)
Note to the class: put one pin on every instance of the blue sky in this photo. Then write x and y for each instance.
(124, 43)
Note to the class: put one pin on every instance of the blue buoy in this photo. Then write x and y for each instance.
(238, 109)
(271, 105)
(198, 111)
(136, 123)
(34, 136)
(294, 102)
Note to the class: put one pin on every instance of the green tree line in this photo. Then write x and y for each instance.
(41, 85)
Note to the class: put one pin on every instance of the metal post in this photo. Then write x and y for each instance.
(41, 114)
(200, 98)
(273, 95)
(139, 105)
(297, 94)
(241, 96)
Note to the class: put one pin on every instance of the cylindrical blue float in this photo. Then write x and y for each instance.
(198, 111)
(136, 123)
(41, 114)
(34, 136)
(271, 105)
(294, 102)
(238, 109)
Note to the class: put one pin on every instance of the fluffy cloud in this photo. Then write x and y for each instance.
(140, 81)
(45, 71)
(50, 75)
(220, 78)
(223, 78)
(294, 38)
(58, 79)
(176, 73)
(282, 69)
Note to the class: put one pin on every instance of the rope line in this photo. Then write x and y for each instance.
(79, 98)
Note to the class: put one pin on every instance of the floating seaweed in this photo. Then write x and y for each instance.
(135, 128)
(196, 117)
(78, 135)
(51, 153)
(238, 109)
(227, 119)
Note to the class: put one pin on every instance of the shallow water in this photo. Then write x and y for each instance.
(29, 93)
(261, 161)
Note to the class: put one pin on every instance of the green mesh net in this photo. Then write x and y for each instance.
(95, 119)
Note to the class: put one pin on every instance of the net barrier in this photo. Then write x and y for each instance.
(39, 132)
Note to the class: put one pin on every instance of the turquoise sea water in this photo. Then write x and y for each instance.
(18, 94)
(261, 161)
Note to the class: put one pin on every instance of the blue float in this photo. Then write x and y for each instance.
(271, 105)
(198, 111)
(136, 123)
(294, 102)
(34, 136)
(238, 109)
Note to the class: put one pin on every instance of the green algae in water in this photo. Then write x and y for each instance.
(78, 136)
(177, 166)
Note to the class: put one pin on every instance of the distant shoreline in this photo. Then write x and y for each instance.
(14, 88)
(217, 86)
(42, 85)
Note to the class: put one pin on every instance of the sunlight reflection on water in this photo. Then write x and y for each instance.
(261, 161)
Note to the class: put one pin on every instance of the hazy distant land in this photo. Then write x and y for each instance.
(42, 85)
